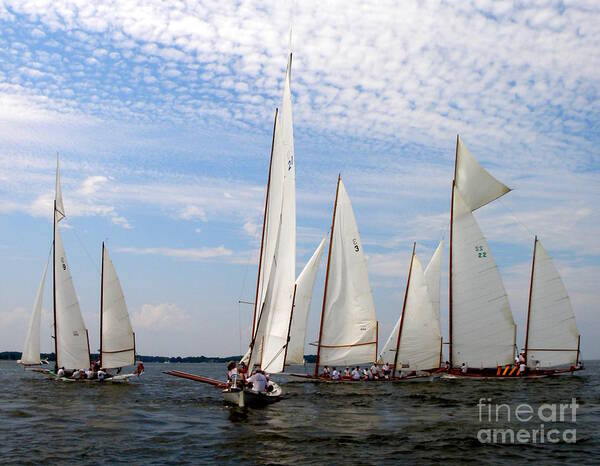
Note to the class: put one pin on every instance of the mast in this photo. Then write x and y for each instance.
(287, 341)
(337, 189)
(412, 257)
(264, 225)
(54, 287)
(529, 303)
(450, 275)
(102, 302)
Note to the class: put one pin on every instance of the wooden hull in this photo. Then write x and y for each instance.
(245, 398)
(409, 379)
(491, 374)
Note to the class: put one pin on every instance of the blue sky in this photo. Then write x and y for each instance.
(163, 114)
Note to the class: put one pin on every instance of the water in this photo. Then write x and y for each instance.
(161, 419)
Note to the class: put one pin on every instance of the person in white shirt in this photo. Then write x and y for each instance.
(258, 381)
(521, 358)
(463, 368)
(335, 375)
(76, 375)
(232, 371)
(356, 373)
(386, 370)
(346, 373)
(60, 373)
(375, 371)
(101, 375)
(326, 372)
(522, 368)
(89, 374)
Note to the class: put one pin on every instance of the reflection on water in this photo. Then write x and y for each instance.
(162, 419)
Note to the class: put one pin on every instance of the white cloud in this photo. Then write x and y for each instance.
(158, 316)
(191, 254)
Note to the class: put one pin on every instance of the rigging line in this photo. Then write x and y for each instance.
(240, 301)
(86, 251)
(515, 218)
(275, 357)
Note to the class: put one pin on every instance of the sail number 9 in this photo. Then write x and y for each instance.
(481, 252)
(355, 243)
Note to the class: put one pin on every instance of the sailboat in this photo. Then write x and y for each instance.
(414, 348)
(275, 285)
(482, 330)
(71, 340)
(348, 327)
(552, 340)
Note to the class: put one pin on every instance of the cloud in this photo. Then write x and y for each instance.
(191, 254)
(158, 316)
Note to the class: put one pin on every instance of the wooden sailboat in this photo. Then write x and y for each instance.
(552, 340)
(481, 326)
(71, 341)
(414, 348)
(275, 286)
(348, 328)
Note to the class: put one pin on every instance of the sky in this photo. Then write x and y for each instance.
(162, 114)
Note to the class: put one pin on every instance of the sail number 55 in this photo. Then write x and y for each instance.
(481, 252)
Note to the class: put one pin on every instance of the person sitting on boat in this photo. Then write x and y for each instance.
(386, 370)
(375, 371)
(522, 369)
(326, 372)
(89, 374)
(335, 375)
(346, 373)
(447, 365)
(78, 374)
(60, 373)
(101, 375)
(356, 373)
(258, 381)
(96, 366)
(463, 368)
(232, 372)
(367, 374)
(521, 358)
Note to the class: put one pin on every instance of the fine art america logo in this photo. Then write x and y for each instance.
(546, 423)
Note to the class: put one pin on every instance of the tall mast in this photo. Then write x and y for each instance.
(337, 189)
(450, 275)
(263, 229)
(287, 340)
(529, 304)
(54, 285)
(412, 257)
(102, 302)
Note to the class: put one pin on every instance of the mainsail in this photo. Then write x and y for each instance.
(278, 247)
(70, 333)
(305, 284)
(482, 329)
(31, 349)
(416, 338)
(348, 333)
(552, 336)
(117, 340)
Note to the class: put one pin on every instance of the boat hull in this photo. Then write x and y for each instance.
(245, 398)
(408, 379)
(121, 378)
(491, 374)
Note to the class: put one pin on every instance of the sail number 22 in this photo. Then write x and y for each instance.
(481, 252)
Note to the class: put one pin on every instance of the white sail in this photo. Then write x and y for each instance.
(118, 340)
(31, 349)
(59, 208)
(551, 318)
(420, 344)
(483, 329)
(476, 185)
(71, 334)
(282, 214)
(349, 326)
(433, 275)
(305, 284)
(281, 200)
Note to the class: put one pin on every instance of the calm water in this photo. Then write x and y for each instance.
(161, 419)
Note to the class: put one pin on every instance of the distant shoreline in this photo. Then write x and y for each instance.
(16, 355)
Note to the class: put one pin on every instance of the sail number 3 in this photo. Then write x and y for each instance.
(355, 243)
(481, 252)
